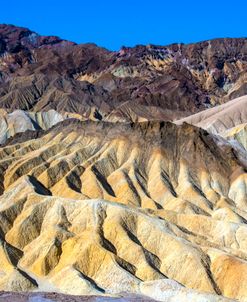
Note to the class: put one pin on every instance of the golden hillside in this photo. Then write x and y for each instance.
(99, 209)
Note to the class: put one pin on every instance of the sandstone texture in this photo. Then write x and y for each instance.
(21, 121)
(227, 120)
(220, 119)
(99, 208)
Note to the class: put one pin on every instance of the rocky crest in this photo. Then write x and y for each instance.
(133, 84)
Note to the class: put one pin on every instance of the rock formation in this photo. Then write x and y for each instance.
(101, 195)
(94, 207)
(132, 84)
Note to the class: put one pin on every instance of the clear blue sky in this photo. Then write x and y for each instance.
(113, 24)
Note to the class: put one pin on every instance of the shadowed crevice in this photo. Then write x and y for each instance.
(90, 280)
(38, 186)
(25, 275)
(103, 181)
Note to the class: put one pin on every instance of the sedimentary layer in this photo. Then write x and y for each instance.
(101, 208)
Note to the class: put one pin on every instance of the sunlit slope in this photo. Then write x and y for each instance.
(96, 208)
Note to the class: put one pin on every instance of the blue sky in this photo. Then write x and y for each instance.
(113, 24)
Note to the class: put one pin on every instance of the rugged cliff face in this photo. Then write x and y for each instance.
(144, 82)
(100, 194)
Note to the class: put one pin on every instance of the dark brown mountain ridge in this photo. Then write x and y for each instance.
(139, 83)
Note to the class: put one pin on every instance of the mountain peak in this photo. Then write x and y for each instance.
(14, 39)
